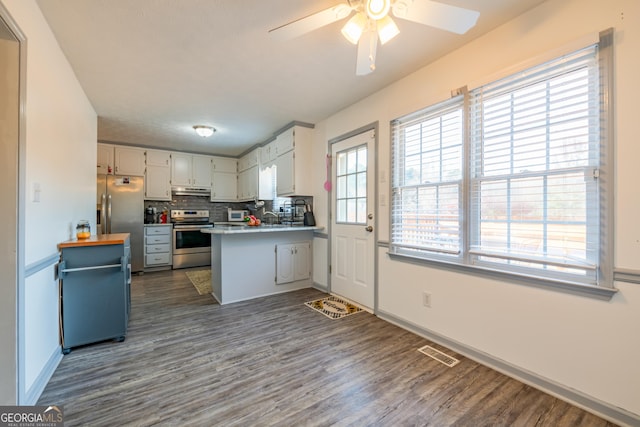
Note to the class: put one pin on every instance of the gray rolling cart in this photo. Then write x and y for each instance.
(95, 283)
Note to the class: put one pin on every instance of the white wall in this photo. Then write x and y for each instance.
(61, 134)
(585, 344)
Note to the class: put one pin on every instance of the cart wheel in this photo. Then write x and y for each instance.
(119, 339)
(66, 350)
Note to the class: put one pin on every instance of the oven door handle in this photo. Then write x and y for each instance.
(191, 227)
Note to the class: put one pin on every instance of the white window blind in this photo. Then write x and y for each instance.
(509, 176)
(427, 180)
(535, 139)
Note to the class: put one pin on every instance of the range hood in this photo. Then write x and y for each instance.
(190, 191)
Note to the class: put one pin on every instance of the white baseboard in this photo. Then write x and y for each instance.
(321, 288)
(33, 394)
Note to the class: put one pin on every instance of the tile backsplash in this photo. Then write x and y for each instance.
(218, 210)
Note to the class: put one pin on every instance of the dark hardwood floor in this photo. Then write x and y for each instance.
(188, 361)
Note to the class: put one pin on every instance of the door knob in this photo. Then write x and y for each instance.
(369, 228)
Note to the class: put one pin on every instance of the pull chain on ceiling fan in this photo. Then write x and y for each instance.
(372, 22)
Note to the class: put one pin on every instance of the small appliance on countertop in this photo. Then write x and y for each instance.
(235, 215)
(151, 215)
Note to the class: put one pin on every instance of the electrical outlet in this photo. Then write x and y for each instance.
(426, 299)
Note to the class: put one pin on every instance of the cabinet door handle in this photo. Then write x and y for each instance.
(369, 228)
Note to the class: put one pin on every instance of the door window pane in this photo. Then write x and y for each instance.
(351, 186)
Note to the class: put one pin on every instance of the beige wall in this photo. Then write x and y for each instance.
(9, 126)
(61, 134)
(581, 343)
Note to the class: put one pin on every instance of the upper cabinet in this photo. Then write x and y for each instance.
(129, 161)
(294, 155)
(157, 183)
(105, 159)
(201, 171)
(286, 141)
(249, 160)
(224, 164)
(119, 160)
(248, 175)
(248, 184)
(190, 170)
(268, 154)
(281, 163)
(159, 158)
(224, 179)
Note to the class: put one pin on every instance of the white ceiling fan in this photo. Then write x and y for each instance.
(372, 21)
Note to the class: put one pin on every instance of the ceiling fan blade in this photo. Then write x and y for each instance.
(439, 15)
(366, 58)
(312, 22)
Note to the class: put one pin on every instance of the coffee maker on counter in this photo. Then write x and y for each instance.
(150, 215)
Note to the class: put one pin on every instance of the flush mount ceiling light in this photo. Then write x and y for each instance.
(372, 22)
(204, 131)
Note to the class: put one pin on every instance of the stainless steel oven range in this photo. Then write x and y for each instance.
(191, 248)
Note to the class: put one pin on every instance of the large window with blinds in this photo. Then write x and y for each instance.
(508, 176)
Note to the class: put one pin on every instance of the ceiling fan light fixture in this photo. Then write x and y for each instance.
(387, 29)
(204, 131)
(377, 9)
(354, 27)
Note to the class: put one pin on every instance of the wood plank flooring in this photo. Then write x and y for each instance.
(188, 361)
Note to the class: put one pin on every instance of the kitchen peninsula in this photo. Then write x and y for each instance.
(249, 262)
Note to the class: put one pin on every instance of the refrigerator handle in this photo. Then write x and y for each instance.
(109, 213)
(103, 214)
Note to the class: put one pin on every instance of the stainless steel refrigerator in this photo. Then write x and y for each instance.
(121, 210)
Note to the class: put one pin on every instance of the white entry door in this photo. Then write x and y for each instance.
(352, 223)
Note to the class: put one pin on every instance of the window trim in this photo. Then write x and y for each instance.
(605, 288)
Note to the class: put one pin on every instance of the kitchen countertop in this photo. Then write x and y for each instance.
(263, 228)
(102, 239)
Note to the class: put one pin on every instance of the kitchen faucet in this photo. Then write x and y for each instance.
(266, 212)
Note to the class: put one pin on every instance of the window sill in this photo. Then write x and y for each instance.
(598, 292)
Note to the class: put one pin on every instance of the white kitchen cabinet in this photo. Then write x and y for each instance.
(157, 182)
(285, 141)
(293, 262)
(105, 159)
(249, 160)
(157, 246)
(248, 184)
(224, 164)
(267, 171)
(158, 158)
(201, 171)
(293, 161)
(224, 187)
(129, 161)
(190, 170)
(224, 179)
(268, 154)
(181, 169)
(266, 182)
(285, 174)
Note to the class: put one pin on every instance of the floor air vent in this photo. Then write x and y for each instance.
(439, 356)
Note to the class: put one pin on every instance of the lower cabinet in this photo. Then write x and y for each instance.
(293, 262)
(157, 246)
